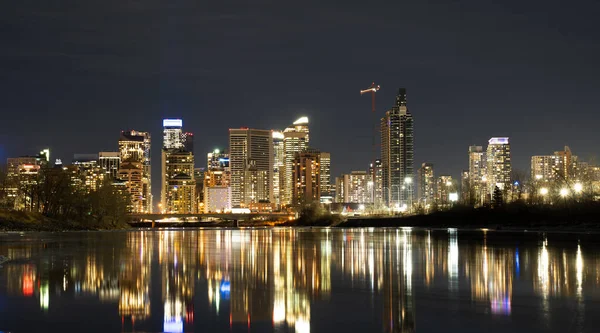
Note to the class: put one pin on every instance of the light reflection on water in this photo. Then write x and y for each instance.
(297, 280)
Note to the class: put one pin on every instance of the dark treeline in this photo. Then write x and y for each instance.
(59, 194)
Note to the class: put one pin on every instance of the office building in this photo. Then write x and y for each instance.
(477, 175)
(172, 133)
(110, 162)
(178, 193)
(498, 165)
(135, 168)
(306, 177)
(86, 173)
(295, 139)
(339, 189)
(397, 150)
(425, 185)
(250, 155)
(217, 160)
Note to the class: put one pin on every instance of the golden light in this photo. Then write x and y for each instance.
(564, 192)
(578, 187)
(544, 191)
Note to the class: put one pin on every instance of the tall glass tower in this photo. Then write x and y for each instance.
(397, 154)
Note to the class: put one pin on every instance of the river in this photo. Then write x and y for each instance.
(299, 280)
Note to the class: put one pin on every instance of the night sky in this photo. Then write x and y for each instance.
(74, 73)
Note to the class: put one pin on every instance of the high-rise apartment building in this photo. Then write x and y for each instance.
(561, 166)
(325, 174)
(542, 168)
(477, 175)
(377, 179)
(135, 169)
(397, 150)
(22, 176)
(445, 186)
(295, 139)
(356, 187)
(498, 165)
(250, 155)
(425, 185)
(178, 193)
(278, 168)
(306, 176)
(110, 162)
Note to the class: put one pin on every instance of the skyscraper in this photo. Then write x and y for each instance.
(250, 150)
(172, 133)
(477, 175)
(325, 174)
(306, 176)
(425, 185)
(397, 150)
(498, 165)
(278, 168)
(295, 139)
(178, 193)
(135, 168)
(377, 180)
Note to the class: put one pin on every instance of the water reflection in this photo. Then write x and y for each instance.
(287, 280)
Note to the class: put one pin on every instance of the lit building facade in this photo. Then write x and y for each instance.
(178, 193)
(477, 175)
(445, 187)
(561, 166)
(110, 162)
(217, 160)
(278, 168)
(250, 155)
(134, 151)
(217, 199)
(426, 185)
(498, 165)
(356, 187)
(306, 176)
(87, 174)
(397, 153)
(295, 140)
(377, 180)
(325, 174)
(172, 133)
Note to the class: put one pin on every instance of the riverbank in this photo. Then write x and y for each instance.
(26, 221)
(576, 217)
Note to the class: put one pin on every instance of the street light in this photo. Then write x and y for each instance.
(578, 188)
(564, 192)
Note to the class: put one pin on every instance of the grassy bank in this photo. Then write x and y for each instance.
(26, 221)
(572, 217)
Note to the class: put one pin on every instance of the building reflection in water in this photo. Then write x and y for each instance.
(275, 275)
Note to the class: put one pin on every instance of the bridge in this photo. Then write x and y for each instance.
(156, 217)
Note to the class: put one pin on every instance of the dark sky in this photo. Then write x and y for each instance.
(74, 73)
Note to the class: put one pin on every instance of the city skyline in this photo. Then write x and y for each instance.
(460, 74)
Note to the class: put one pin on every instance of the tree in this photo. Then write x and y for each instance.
(497, 199)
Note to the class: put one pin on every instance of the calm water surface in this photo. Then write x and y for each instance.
(299, 280)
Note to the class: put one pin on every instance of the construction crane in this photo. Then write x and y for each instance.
(373, 89)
